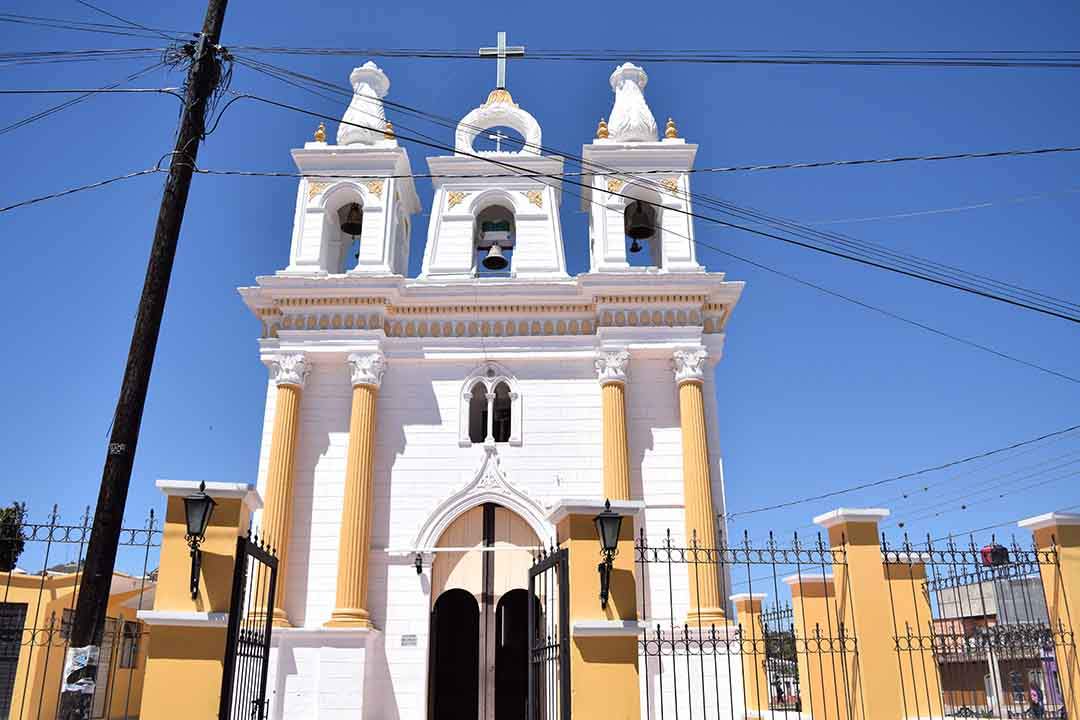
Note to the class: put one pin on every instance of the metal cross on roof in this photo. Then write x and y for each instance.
(501, 52)
(498, 137)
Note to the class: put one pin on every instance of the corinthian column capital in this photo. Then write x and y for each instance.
(612, 366)
(289, 369)
(367, 368)
(689, 365)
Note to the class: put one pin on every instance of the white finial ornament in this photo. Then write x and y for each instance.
(365, 120)
(630, 120)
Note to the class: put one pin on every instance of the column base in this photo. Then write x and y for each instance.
(349, 618)
(706, 618)
(280, 619)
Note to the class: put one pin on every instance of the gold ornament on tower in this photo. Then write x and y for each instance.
(320, 133)
(601, 130)
(389, 131)
(671, 131)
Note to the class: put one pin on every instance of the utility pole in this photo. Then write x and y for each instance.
(80, 665)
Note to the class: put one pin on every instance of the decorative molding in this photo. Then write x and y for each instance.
(614, 185)
(244, 492)
(850, 515)
(315, 187)
(612, 366)
(670, 184)
(367, 368)
(607, 628)
(289, 369)
(365, 119)
(376, 188)
(328, 301)
(630, 120)
(490, 375)
(499, 110)
(180, 618)
(535, 197)
(454, 198)
(488, 485)
(690, 365)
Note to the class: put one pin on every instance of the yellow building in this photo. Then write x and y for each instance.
(35, 616)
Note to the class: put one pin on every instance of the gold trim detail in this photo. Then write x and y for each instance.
(602, 130)
(500, 95)
(376, 187)
(671, 131)
(614, 185)
(320, 133)
(453, 198)
(315, 188)
(388, 133)
(535, 197)
(670, 184)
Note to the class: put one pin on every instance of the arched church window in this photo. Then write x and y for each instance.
(478, 414)
(501, 416)
(494, 240)
(642, 229)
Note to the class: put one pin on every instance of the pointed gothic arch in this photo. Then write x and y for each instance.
(489, 485)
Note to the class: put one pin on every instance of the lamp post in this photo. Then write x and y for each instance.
(607, 524)
(198, 507)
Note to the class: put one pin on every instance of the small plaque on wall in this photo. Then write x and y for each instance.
(408, 641)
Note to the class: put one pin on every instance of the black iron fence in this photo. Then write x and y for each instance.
(980, 642)
(549, 637)
(247, 640)
(785, 663)
(40, 573)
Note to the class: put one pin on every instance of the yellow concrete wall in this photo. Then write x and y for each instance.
(821, 653)
(752, 651)
(41, 659)
(604, 677)
(1061, 584)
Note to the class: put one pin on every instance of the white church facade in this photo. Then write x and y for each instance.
(420, 432)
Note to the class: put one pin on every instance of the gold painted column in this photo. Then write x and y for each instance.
(706, 604)
(611, 367)
(350, 608)
(1057, 544)
(289, 372)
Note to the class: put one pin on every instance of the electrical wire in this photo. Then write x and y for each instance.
(831, 251)
(80, 188)
(957, 208)
(869, 253)
(126, 21)
(66, 24)
(39, 57)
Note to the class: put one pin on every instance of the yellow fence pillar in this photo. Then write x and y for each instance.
(611, 367)
(706, 603)
(863, 608)
(752, 649)
(289, 372)
(356, 515)
(604, 679)
(187, 635)
(1057, 540)
(905, 573)
(820, 651)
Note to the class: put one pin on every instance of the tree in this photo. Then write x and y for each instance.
(12, 541)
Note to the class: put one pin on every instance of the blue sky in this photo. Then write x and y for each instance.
(814, 393)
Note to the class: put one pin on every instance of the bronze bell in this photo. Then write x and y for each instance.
(352, 219)
(638, 222)
(635, 246)
(495, 259)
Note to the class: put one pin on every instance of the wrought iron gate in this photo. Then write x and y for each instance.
(549, 637)
(247, 643)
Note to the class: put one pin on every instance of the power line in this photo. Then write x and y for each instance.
(124, 20)
(831, 251)
(80, 188)
(897, 478)
(868, 252)
(40, 115)
(957, 208)
(65, 24)
(39, 57)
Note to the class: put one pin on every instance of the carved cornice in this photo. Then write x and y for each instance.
(612, 366)
(689, 365)
(367, 368)
(289, 369)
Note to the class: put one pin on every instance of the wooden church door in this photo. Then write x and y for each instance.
(487, 557)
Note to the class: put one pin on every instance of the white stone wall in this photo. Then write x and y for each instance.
(419, 463)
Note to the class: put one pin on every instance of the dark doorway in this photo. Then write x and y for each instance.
(455, 657)
(512, 655)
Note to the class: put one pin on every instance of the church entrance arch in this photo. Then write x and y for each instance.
(481, 571)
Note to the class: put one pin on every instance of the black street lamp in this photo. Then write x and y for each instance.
(608, 524)
(198, 507)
